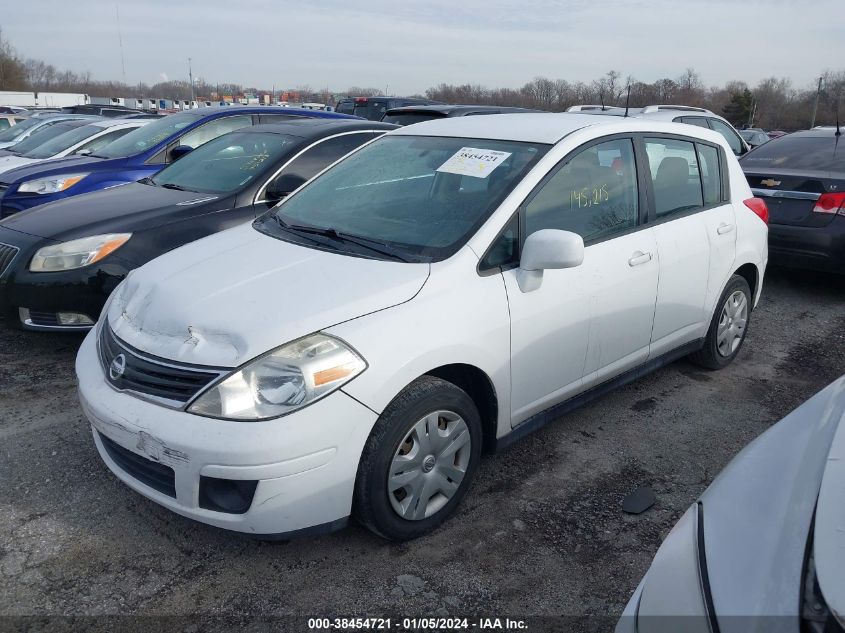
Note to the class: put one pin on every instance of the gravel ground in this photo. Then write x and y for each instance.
(541, 532)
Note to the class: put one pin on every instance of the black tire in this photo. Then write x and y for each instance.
(371, 505)
(709, 355)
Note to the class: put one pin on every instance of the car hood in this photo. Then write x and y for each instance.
(758, 513)
(116, 210)
(66, 165)
(10, 161)
(235, 295)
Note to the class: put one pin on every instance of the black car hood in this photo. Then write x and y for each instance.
(121, 209)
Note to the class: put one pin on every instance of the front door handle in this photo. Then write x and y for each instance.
(639, 258)
(724, 228)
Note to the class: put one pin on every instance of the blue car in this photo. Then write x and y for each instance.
(136, 155)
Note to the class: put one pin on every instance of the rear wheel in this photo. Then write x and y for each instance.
(728, 327)
(418, 461)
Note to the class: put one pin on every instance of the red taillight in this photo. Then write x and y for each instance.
(758, 206)
(830, 203)
(361, 99)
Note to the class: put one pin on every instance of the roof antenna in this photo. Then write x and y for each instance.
(838, 129)
(628, 99)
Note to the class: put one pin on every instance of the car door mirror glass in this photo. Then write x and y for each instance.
(179, 151)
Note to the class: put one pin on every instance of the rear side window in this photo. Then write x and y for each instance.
(593, 194)
(709, 169)
(700, 121)
(730, 135)
(674, 172)
(809, 153)
(4, 124)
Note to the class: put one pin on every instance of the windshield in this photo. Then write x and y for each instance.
(805, 153)
(227, 163)
(147, 137)
(17, 130)
(60, 141)
(408, 118)
(43, 135)
(422, 195)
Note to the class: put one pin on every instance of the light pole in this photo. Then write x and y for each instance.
(816, 104)
(191, 79)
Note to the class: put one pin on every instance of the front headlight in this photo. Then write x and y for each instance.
(288, 378)
(51, 185)
(76, 253)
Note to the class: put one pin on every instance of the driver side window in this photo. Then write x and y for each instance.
(594, 194)
(213, 129)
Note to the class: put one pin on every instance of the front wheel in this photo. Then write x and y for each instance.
(728, 327)
(418, 461)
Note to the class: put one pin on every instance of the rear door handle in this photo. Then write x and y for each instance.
(639, 258)
(725, 228)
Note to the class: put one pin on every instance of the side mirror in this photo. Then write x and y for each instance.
(282, 186)
(179, 151)
(547, 249)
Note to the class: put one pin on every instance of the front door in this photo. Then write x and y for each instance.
(593, 320)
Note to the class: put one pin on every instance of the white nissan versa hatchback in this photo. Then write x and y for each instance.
(450, 286)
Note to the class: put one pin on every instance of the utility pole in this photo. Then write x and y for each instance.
(120, 41)
(191, 79)
(816, 104)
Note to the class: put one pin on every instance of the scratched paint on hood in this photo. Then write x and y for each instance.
(230, 297)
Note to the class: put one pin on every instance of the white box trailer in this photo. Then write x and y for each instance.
(20, 99)
(112, 101)
(60, 99)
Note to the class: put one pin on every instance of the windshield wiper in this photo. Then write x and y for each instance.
(170, 185)
(373, 245)
(146, 180)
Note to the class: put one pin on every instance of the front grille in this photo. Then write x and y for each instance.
(146, 374)
(7, 254)
(156, 476)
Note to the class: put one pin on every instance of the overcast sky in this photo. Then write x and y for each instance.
(402, 46)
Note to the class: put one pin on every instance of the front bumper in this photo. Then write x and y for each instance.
(43, 295)
(812, 248)
(305, 463)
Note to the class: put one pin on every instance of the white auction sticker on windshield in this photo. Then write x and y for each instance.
(471, 161)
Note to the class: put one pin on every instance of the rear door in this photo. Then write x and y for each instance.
(695, 230)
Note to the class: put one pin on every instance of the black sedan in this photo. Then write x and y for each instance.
(802, 178)
(60, 261)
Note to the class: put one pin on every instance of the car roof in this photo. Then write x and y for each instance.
(819, 130)
(546, 127)
(307, 128)
(448, 108)
(214, 110)
(107, 123)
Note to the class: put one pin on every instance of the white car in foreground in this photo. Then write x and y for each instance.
(449, 287)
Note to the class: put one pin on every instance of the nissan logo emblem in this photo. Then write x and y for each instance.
(117, 367)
